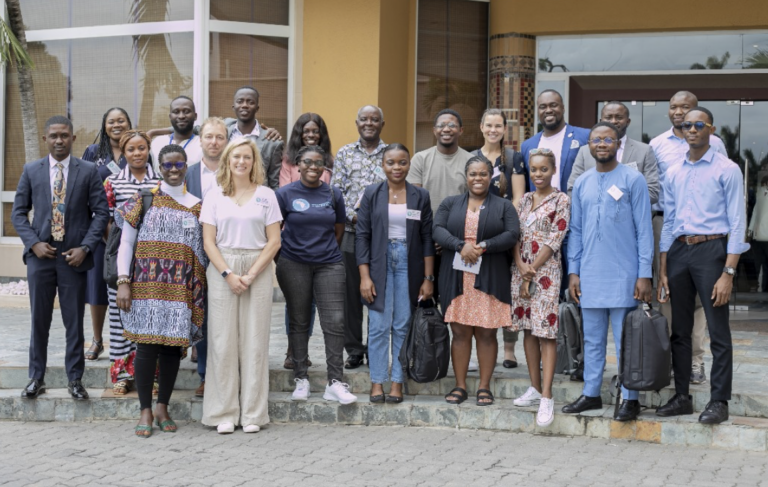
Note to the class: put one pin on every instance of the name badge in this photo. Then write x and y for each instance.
(574, 144)
(379, 172)
(113, 168)
(460, 265)
(261, 201)
(530, 220)
(632, 165)
(188, 222)
(413, 214)
(615, 192)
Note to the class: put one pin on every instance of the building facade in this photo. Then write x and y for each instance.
(410, 57)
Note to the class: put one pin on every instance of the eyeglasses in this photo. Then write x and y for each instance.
(542, 150)
(170, 165)
(450, 125)
(312, 162)
(598, 140)
(698, 125)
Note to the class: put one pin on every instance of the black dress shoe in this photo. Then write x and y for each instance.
(715, 413)
(354, 361)
(33, 389)
(509, 364)
(677, 406)
(583, 403)
(77, 390)
(578, 375)
(630, 410)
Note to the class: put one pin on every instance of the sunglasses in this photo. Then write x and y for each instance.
(598, 140)
(312, 162)
(698, 125)
(170, 165)
(542, 150)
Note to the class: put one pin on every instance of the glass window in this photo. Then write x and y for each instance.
(652, 52)
(452, 67)
(8, 230)
(274, 12)
(57, 14)
(82, 78)
(261, 62)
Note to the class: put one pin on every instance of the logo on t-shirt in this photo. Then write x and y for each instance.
(300, 204)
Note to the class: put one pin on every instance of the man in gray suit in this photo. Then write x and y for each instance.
(71, 214)
(632, 153)
(246, 105)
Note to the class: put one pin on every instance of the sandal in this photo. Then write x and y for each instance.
(485, 397)
(167, 426)
(97, 348)
(459, 398)
(121, 387)
(143, 430)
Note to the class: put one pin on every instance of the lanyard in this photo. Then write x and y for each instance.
(185, 145)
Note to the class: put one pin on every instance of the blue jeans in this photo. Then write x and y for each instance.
(393, 322)
(311, 320)
(595, 342)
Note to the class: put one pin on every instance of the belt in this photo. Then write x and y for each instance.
(697, 239)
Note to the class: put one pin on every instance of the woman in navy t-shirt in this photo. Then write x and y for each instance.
(310, 265)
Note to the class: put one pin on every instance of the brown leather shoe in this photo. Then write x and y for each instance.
(200, 391)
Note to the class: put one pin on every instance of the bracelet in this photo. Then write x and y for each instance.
(124, 280)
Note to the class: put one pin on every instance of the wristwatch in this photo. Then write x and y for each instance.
(226, 273)
(483, 245)
(729, 270)
(429, 278)
(85, 248)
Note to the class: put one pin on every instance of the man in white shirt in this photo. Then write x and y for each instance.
(182, 117)
(201, 180)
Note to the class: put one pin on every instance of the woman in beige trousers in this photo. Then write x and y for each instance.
(241, 232)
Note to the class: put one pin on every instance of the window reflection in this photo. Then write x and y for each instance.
(59, 14)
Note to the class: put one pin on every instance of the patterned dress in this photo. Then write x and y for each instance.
(474, 307)
(168, 281)
(547, 225)
(120, 188)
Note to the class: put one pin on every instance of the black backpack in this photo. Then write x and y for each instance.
(645, 352)
(570, 340)
(426, 353)
(113, 241)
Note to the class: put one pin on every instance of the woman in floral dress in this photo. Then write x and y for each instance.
(536, 277)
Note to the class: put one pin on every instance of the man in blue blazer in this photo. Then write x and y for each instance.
(559, 137)
(70, 216)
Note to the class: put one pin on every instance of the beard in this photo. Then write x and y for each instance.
(607, 159)
(553, 125)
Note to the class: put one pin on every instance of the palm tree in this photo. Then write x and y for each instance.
(713, 62)
(756, 60)
(13, 50)
(546, 65)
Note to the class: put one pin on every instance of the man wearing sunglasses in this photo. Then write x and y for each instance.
(701, 242)
(632, 153)
(670, 149)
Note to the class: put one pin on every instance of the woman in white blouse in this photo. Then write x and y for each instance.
(241, 233)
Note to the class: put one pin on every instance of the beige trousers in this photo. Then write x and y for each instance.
(699, 320)
(237, 375)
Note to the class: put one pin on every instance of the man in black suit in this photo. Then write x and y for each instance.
(70, 217)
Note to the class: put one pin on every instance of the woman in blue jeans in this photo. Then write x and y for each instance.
(395, 254)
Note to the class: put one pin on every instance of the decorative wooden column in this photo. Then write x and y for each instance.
(512, 67)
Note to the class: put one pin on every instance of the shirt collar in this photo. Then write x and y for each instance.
(380, 147)
(670, 134)
(624, 141)
(707, 157)
(126, 174)
(255, 132)
(53, 161)
(205, 169)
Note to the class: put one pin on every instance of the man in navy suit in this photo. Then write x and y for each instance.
(562, 139)
(70, 216)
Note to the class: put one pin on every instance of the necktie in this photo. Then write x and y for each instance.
(57, 213)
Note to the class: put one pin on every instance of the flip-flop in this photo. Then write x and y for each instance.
(143, 430)
(459, 398)
(167, 426)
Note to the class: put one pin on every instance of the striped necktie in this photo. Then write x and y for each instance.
(57, 212)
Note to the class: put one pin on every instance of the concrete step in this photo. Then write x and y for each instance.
(505, 384)
(738, 433)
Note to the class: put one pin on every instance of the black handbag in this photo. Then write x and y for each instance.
(113, 242)
(426, 353)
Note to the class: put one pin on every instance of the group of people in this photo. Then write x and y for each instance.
(208, 215)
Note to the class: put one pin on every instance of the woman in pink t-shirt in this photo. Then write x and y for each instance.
(309, 129)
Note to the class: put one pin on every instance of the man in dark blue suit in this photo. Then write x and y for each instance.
(562, 139)
(70, 216)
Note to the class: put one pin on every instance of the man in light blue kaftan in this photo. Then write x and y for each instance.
(609, 259)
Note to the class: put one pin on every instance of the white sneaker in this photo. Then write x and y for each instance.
(472, 365)
(546, 413)
(225, 428)
(339, 391)
(251, 428)
(301, 393)
(530, 398)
